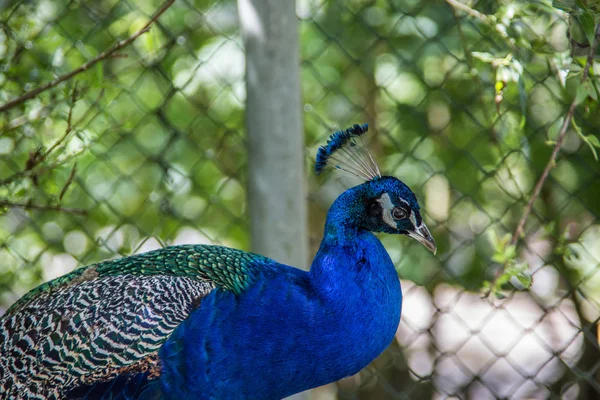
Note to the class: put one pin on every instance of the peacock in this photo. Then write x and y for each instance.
(211, 322)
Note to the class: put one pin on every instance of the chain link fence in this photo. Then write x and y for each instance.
(147, 149)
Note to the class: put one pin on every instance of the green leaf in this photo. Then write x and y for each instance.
(582, 94)
(574, 68)
(554, 130)
(497, 241)
(563, 5)
(525, 278)
(593, 140)
(498, 258)
(502, 279)
(510, 252)
(590, 140)
(588, 25)
(522, 99)
(573, 253)
(591, 90)
(521, 273)
(591, 146)
(485, 57)
(504, 240)
(500, 295)
(550, 227)
(99, 73)
(581, 4)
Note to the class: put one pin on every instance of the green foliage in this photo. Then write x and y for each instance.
(158, 142)
(155, 136)
(505, 254)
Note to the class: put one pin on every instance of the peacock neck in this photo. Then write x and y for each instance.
(343, 221)
(358, 290)
(352, 264)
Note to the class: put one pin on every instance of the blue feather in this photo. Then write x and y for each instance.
(121, 387)
(336, 141)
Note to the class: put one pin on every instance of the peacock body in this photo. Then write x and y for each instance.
(210, 322)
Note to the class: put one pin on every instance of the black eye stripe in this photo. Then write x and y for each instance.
(374, 209)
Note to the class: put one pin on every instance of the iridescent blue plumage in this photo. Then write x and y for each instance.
(207, 322)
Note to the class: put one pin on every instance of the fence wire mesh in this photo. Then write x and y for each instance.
(147, 148)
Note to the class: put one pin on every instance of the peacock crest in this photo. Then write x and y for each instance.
(347, 152)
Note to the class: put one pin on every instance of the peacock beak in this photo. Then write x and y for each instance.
(422, 235)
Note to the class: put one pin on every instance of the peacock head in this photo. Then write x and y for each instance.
(381, 204)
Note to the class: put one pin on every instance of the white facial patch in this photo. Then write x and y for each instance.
(413, 219)
(404, 201)
(386, 204)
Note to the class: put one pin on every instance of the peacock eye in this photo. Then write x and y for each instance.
(398, 213)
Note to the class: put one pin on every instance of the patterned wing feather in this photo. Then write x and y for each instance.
(110, 318)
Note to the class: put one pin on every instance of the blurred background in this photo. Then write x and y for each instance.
(148, 148)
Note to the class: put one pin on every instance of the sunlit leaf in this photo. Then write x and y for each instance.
(588, 24)
(485, 57)
(582, 94)
(594, 140)
(525, 278)
(567, 6)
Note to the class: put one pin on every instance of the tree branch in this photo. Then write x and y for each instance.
(552, 161)
(473, 13)
(559, 142)
(68, 182)
(36, 168)
(28, 206)
(490, 20)
(106, 54)
(69, 128)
